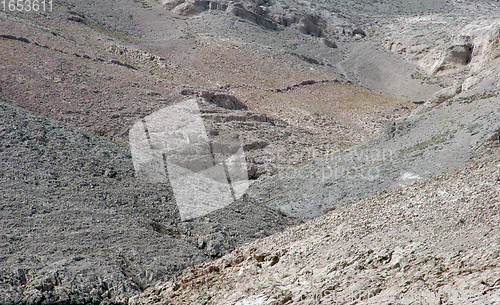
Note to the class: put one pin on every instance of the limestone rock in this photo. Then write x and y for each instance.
(171, 4)
(445, 94)
(305, 17)
(218, 97)
(464, 49)
(328, 43)
(306, 26)
(456, 56)
(189, 8)
(439, 97)
(486, 44)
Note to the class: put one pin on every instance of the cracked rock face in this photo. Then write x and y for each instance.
(456, 44)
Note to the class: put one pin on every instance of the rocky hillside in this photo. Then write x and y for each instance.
(65, 69)
(370, 130)
(434, 242)
(427, 233)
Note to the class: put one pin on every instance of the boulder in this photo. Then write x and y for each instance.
(454, 57)
(306, 26)
(486, 47)
(439, 97)
(171, 4)
(191, 8)
(328, 43)
(220, 98)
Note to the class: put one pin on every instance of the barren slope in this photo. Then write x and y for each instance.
(433, 242)
(424, 237)
(91, 76)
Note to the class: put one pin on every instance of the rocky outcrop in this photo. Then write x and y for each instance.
(305, 17)
(454, 57)
(442, 52)
(329, 43)
(306, 26)
(486, 42)
(485, 62)
(190, 8)
(217, 97)
(438, 98)
(465, 48)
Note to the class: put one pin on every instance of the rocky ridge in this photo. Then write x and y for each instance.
(306, 17)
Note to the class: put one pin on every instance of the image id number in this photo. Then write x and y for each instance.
(26, 5)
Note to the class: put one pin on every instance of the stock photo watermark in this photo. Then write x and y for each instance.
(206, 172)
(172, 146)
(359, 164)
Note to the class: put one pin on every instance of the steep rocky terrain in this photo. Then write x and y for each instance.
(434, 242)
(311, 90)
(74, 217)
(65, 71)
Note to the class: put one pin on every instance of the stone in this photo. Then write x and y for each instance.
(189, 8)
(329, 43)
(306, 26)
(438, 98)
(171, 4)
(255, 145)
(214, 245)
(218, 97)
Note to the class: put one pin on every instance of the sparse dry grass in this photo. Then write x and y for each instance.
(361, 109)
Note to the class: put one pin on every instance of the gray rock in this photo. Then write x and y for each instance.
(305, 17)
(439, 97)
(188, 9)
(220, 98)
(306, 26)
(329, 43)
(78, 228)
(214, 245)
(255, 145)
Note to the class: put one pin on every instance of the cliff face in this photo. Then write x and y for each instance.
(384, 112)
